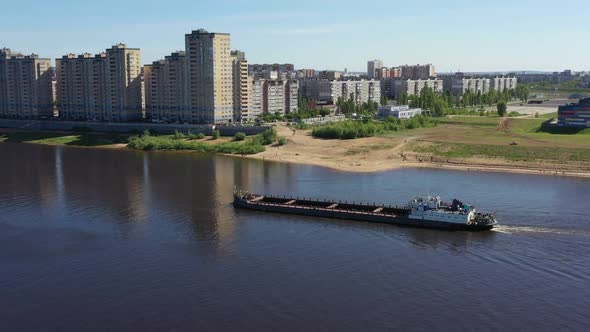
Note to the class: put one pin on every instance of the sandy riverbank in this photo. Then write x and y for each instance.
(376, 154)
(372, 154)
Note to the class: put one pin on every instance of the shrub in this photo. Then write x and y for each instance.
(200, 136)
(239, 137)
(178, 135)
(355, 129)
(282, 140)
(216, 134)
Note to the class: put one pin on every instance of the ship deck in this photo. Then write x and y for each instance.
(333, 206)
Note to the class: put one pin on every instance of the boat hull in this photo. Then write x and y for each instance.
(398, 220)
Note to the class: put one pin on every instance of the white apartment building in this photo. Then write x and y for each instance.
(362, 91)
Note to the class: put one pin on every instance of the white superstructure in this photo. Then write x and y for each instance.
(430, 208)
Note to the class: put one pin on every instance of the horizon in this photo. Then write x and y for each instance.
(455, 36)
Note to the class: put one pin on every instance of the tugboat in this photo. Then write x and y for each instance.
(420, 212)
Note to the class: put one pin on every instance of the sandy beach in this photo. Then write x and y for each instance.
(376, 154)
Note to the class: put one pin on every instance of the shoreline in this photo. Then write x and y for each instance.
(466, 167)
(369, 155)
(378, 167)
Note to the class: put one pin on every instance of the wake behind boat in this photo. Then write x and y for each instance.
(421, 212)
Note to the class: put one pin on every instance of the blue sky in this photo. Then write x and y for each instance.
(322, 34)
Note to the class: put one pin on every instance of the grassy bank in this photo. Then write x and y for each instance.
(251, 145)
(512, 153)
(57, 138)
(356, 129)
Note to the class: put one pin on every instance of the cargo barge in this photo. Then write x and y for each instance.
(420, 212)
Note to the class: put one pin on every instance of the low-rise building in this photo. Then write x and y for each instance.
(25, 86)
(575, 115)
(400, 111)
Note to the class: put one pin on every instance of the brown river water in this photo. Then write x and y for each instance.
(118, 240)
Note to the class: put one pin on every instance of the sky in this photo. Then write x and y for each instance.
(466, 35)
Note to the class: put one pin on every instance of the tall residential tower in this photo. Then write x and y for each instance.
(103, 87)
(209, 70)
(25, 86)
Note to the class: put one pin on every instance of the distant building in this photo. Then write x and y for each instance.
(278, 67)
(385, 73)
(502, 83)
(372, 67)
(400, 112)
(459, 83)
(165, 89)
(317, 90)
(25, 86)
(393, 88)
(330, 75)
(362, 91)
(418, 72)
(101, 87)
(306, 73)
(575, 115)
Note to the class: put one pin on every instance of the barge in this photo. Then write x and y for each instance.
(420, 212)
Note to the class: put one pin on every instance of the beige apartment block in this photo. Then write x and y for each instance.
(25, 86)
(102, 87)
(210, 78)
(241, 87)
(166, 89)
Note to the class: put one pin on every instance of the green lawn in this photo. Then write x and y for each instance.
(52, 138)
(514, 153)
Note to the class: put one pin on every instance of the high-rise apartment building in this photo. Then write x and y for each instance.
(241, 87)
(372, 66)
(362, 91)
(166, 89)
(210, 77)
(25, 86)
(103, 87)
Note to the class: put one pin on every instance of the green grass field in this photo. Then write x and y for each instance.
(74, 139)
(516, 139)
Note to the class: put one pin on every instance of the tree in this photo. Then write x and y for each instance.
(502, 108)
(216, 134)
(383, 100)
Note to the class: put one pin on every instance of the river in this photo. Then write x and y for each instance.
(99, 239)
